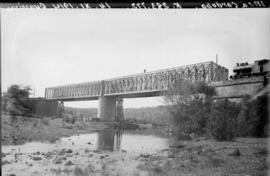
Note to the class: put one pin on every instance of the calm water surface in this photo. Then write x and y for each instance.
(149, 140)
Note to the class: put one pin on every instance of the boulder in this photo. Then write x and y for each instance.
(5, 162)
(69, 163)
(69, 151)
(36, 158)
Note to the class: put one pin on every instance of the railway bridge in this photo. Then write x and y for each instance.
(110, 92)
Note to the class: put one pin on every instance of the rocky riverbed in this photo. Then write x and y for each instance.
(245, 156)
(137, 152)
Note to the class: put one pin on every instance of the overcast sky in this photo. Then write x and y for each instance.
(44, 48)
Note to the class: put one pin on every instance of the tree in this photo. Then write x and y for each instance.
(253, 117)
(189, 104)
(16, 96)
(185, 91)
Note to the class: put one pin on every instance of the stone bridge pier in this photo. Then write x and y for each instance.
(110, 109)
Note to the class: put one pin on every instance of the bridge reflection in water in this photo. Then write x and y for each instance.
(109, 140)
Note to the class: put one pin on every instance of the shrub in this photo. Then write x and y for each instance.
(69, 118)
(222, 119)
(222, 122)
(45, 121)
(15, 100)
(189, 105)
(253, 117)
(185, 90)
(73, 119)
(192, 117)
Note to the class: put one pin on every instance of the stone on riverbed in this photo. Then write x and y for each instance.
(36, 158)
(101, 157)
(5, 162)
(69, 163)
(58, 161)
(3, 154)
(145, 155)
(69, 151)
(64, 151)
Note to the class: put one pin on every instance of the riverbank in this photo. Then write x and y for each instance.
(81, 157)
(204, 157)
(243, 157)
(26, 129)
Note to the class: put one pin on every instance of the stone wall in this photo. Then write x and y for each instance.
(239, 87)
(42, 107)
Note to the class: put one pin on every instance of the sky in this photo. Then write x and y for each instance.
(48, 47)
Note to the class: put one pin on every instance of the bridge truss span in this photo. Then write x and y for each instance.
(144, 84)
(91, 90)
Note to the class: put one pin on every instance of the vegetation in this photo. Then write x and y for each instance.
(222, 120)
(70, 118)
(194, 110)
(15, 100)
(154, 115)
(253, 117)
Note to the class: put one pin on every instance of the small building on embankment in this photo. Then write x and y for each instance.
(248, 80)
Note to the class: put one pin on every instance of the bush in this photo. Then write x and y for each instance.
(69, 118)
(45, 121)
(223, 119)
(253, 117)
(222, 122)
(192, 117)
(185, 91)
(189, 105)
(15, 100)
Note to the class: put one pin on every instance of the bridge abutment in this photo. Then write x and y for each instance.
(107, 108)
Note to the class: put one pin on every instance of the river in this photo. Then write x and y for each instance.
(42, 158)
